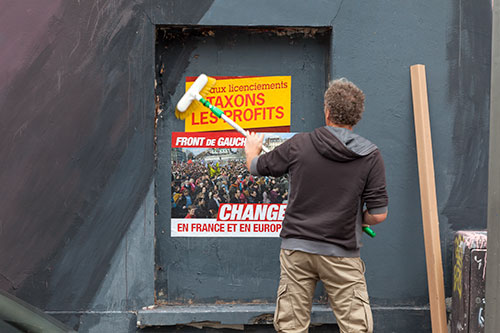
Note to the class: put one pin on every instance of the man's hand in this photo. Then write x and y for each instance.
(253, 146)
(372, 219)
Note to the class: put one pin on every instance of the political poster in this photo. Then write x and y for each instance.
(214, 195)
(252, 102)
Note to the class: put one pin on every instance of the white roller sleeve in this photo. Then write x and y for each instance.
(192, 93)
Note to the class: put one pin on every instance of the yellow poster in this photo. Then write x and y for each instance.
(252, 102)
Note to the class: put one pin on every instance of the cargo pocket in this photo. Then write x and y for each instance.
(360, 316)
(284, 317)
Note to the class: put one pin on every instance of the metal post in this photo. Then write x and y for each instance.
(492, 321)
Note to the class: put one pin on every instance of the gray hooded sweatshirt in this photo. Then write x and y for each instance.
(334, 173)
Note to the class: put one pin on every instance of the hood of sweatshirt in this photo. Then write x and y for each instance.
(340, 144)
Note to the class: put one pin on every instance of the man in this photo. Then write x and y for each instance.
(214, 204)
(334, 174)
(253, 197)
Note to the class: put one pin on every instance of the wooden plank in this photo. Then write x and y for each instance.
(428, 199)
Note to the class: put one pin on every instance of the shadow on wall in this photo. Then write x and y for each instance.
(76, 140)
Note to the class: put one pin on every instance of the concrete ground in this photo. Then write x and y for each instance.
(248, 328)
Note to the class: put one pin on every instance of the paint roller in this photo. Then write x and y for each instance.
(194, 99)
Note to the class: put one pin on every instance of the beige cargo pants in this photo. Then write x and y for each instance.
(344, 282)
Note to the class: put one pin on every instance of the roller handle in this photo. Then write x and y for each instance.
(220, 114)
(369, 231)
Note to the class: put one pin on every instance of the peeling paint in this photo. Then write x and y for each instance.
(173, 32)
(265, 318)
(216, 325)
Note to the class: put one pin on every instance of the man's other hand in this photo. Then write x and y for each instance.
(253, 146)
